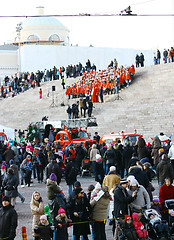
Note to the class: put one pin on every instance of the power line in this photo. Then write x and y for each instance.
(90, 15)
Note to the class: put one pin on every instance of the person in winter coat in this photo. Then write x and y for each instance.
(37, 209)
(141, 60)
(171, 155)
(128, 228)
(43, 229)
(122, 199)
(80, 154)
(10, 184)
(142, 199)
(8, 220)
(8, 155)
(99, 205)
(127, 155)
(53, 167)
(62, 223)
(71, 172)
(140, 175)
(156, 145)
(80, 210)
(166, 192)
(142, 149)
(139, 227)
(99, 172)
(93, 153)
(52, 190)
(110, 157)
(158, 56)
(111, 178)
(164, 169)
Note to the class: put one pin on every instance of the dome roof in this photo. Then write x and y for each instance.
(32, 21)
(44, 29)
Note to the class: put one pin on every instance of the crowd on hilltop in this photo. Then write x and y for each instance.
(121, 200)
(167, 57)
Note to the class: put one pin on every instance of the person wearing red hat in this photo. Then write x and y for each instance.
(128, 228)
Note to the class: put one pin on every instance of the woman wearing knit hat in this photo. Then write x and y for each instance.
(80, 211)
(62, 223)
(52, 190)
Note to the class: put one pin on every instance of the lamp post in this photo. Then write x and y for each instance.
(18, 30)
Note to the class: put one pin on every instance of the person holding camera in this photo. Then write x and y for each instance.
(142, 200)
(37, 209)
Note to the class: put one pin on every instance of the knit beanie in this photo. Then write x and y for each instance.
(61, 210)
(112, 169)
(155, 199)
(127, 217)
(2, 167)
(53, 177)
(43, 217)
(5, 198)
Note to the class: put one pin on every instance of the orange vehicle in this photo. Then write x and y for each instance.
(123, 137)
(73, 135)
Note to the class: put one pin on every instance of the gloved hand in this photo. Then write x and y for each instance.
(40, 200)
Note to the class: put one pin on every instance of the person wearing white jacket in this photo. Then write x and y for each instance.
(142, 200)
(171, 155)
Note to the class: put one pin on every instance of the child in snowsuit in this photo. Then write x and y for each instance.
(44, 230)
(62, 224)
(139, 227)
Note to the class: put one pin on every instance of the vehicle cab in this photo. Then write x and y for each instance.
(124, 138)
(75, 136)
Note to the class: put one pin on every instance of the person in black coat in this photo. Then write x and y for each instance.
(79, 211)
(127, 154)
(8, 220)
(90, 107)
(53, 167)
(122, 199)
(71, 172)
(142, 149)
(140, 175)
(110, 158)
(80, 154)
(99, 171)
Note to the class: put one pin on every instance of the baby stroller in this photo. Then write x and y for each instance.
(86, 167)
(169, 204)
(153, 230)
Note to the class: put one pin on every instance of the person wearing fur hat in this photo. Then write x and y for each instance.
(111, 178)
(8, 220)
(43, 229)
(62, 224)
(99, 171)
(37, 209)
(128, 228)
(142, 199)
(79, 211)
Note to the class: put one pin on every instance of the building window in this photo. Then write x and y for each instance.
(54, 37)
(33, 38)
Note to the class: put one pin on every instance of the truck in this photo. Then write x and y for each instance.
(68, 131)
(75, 131)
(123, 137)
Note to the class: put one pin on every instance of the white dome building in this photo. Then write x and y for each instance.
(43, 30)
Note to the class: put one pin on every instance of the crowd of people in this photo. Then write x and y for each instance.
(167, 57)
(122, 190)
(96, 84)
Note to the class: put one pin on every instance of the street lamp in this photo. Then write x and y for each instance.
(18, 30)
